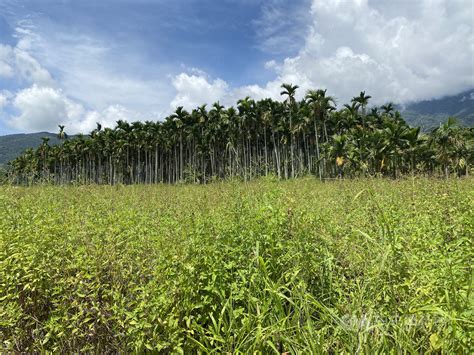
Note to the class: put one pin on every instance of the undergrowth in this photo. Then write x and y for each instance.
(298, 266)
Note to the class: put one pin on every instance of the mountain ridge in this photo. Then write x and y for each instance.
(12, 145)
(430, 113)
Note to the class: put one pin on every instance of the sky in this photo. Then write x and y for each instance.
(78, 62)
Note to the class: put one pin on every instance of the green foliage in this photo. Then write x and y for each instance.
(369, 266)
(288, 139)
(3, 175)
(12, 145)
(432, 113)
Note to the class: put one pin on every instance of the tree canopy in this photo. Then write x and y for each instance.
(287, 138)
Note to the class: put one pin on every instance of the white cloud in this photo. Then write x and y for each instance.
(101, 74)
(16, 62)
(195, 90)
(40, 109)
(44, 108)
(6, 69)
(30, 70)
(422, 53)
(86, 120)
(88, 88)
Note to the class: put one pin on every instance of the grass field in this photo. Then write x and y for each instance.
(297, 266)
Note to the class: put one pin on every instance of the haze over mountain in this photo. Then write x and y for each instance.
(429, 113)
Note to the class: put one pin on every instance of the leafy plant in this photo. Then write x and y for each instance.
(269, 266)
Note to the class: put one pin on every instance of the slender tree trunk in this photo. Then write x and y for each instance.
(265, 150)
(292, 147)
(317, 149)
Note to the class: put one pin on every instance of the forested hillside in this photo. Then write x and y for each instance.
(430, 113)
(13, 145)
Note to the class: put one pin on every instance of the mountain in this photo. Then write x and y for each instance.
(13, 144)
(430, 113)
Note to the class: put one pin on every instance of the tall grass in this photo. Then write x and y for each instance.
(297, 266)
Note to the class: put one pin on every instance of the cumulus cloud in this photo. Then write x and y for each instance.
(44, 108)
(87, 89)
(194, 90)
(353, 45)
(107, 118)
(40, 109)
(417, 51)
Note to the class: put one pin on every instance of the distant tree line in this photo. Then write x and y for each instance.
(287, 139)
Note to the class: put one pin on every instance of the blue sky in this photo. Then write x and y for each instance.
(216, 36)
(80, 61)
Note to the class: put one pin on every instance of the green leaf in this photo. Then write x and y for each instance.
(435, 341)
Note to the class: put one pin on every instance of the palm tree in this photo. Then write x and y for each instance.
(338, 151)
(448, 142)
(180, 117)
(289, 91)
(363, 100)
(321, 105)
(255, 139)
(43, 152)
(388, 109)
(351, 115)
(61, 134)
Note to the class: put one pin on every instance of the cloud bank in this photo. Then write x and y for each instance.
(414, 51)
